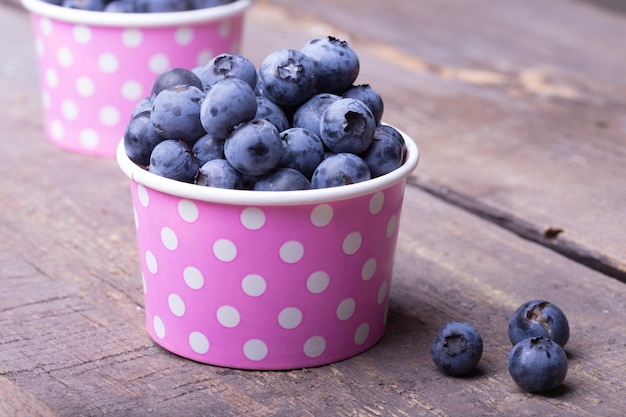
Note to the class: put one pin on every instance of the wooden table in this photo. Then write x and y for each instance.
(519, 110)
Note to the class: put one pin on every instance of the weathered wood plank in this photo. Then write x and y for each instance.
(79, 345)
(16, 402)
(518, 105)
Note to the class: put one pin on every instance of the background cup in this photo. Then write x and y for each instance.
(94, 67)
(266, 280)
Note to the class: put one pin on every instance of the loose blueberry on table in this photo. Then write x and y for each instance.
(457, 348)
(539, 318)
(295, 123)
(537, 364)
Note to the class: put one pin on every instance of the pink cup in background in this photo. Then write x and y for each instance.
(266, 280)
(94, 67)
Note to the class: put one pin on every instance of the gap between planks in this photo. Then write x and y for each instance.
(550, 237)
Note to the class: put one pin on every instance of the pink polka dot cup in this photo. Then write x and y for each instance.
(266, 279)
(94, 67)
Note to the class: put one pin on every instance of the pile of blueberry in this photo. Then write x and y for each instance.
(296, 122)
(538, 331)
(138, 6)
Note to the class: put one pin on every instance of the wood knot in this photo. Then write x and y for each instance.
(552, 232)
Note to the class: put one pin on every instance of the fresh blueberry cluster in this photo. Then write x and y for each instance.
(296, 122)
(138, 6)
(538, 331)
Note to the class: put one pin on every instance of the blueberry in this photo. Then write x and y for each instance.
(120, 6)
(258, 88)
(176, 113)
(302, 150)
(386, 130)
(287, 77)
(229, 66)
(198, 70)
(207, 148)
(140, 138)
(227, 104)
(308, 115)
(538, 318)
(173, 159)
(203, 4)
(537, 364)
(254, 148)
(162, 6)
(282, 179)
(249, 181)
(270, 111)
(145, 104)
(219, 173)
(347, 125)
(93, 5)
(385, 153)
(174, 77)
(336, 64)
(457, 348)
(340, 169)
(370, 97)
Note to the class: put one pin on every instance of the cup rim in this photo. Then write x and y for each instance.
(268, 198)
(138, 20)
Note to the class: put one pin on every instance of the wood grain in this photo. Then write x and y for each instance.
(516, 104)
(16, 402)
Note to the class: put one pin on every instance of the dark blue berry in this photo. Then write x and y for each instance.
(93, 5)
(387, 130)
(537, 364)
(336, 64)
(173, 159)
(174, 77)
(370, 97)
(227, 104)
(121, 6)
(176, 113)
(145, 104)
(162, 6)
(140, 138)
(229, 66)
(287, 77)
(142, 6)
(254, 148)
(270, 111)
(539, 318)
(340, 169)
(302, 150)
(385, 153)
(207, 148)
(309, 114)
(203, 4)
(347, 125)
(218, 173)
(457, 348)
(282, 179)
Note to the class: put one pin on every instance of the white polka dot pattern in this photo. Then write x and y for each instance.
(248, 287)
(92, 76)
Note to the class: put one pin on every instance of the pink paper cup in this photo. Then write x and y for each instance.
(266, 280)
(94, 67)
